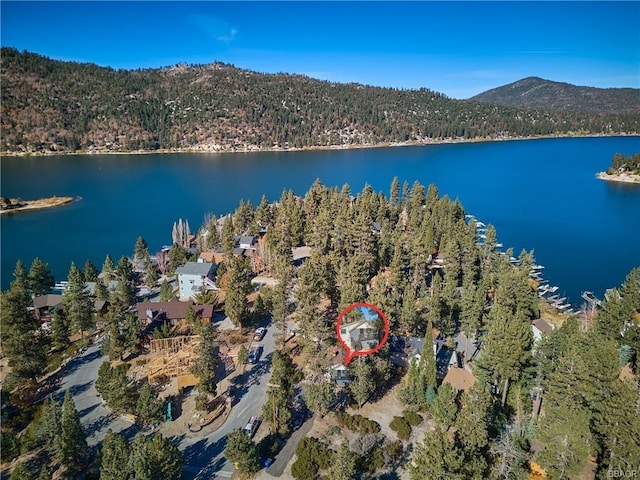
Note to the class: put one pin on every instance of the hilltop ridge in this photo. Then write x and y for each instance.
(52, 106)
(535, 92)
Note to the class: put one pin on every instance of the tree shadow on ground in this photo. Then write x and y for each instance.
(77, 362)
(202, 460)
(240, 384)
(87, 410)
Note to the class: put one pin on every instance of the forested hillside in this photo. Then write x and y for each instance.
(536, 92)
(49, 105)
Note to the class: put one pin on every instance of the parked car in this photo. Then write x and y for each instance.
(259, 334)
(254, 353)
(251, 426)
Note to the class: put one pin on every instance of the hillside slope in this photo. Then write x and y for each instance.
(534, 92)
(54, 106)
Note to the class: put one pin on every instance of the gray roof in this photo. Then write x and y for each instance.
(195, 268)
(247, 240)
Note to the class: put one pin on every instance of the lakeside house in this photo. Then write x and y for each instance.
(540, 328)
(44, 306)
(195, 276)
(360, 335)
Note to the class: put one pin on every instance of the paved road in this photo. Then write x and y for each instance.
(204, 457)
(79, 376)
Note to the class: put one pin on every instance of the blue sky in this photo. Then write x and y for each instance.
(457, 48)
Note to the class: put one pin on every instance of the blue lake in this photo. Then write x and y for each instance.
(541, 195)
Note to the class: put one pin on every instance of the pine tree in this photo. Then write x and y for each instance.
(343, 463)
(20, 277)
(22, 339)
(150, 273)
(108, 269)
(445, 408)
(228, 240)
(114, 457)
(238, 287)
(155, 457)
(149, 408)
(166, 292)
(140, 251)
(90, 272)
(242, 452)
(436, 458)
(427, 367)
(47, 428)
(73, 450)
(618, 424)
(564, 432)
(77, 303)
(59, 331)
(472, 420)
(509, 338)
(40, 277)
(205, 364)
(363, 384)
(394, 191)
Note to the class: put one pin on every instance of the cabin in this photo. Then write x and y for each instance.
(195, 276)
(360, 335)
(152, 314)
(45, 305)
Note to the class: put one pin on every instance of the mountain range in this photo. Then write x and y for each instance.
(52, 106)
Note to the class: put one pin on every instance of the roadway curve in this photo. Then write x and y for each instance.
(204, 454)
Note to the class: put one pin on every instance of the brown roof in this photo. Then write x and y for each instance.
(212, 257)
(172, 310)
(543, 326)
(459, 378)
(49, 300)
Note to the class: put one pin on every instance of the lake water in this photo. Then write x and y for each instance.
(541, 195)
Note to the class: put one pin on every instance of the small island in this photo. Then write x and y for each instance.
(623, 169)
(13, 205)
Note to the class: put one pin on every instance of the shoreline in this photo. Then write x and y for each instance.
(208, 149)
(40, 204)
(619, 177)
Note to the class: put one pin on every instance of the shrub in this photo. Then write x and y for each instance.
(201, 402)
(393, 451)
(412, 418)
(10, 446)
(401, 427)
(358, 423)
(310, 456)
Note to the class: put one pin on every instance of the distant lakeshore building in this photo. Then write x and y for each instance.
(360, 335)
(195, 276)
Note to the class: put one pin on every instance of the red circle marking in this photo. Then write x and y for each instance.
(351, 353)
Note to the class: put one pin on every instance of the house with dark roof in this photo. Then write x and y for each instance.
(540, 328)
(153, 314)
(194, 276)
(44, 306)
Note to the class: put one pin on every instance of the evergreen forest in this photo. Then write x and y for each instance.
(562, 403)
(51, 106)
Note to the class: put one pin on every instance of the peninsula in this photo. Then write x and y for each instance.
(623, 169)
(13, 205)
